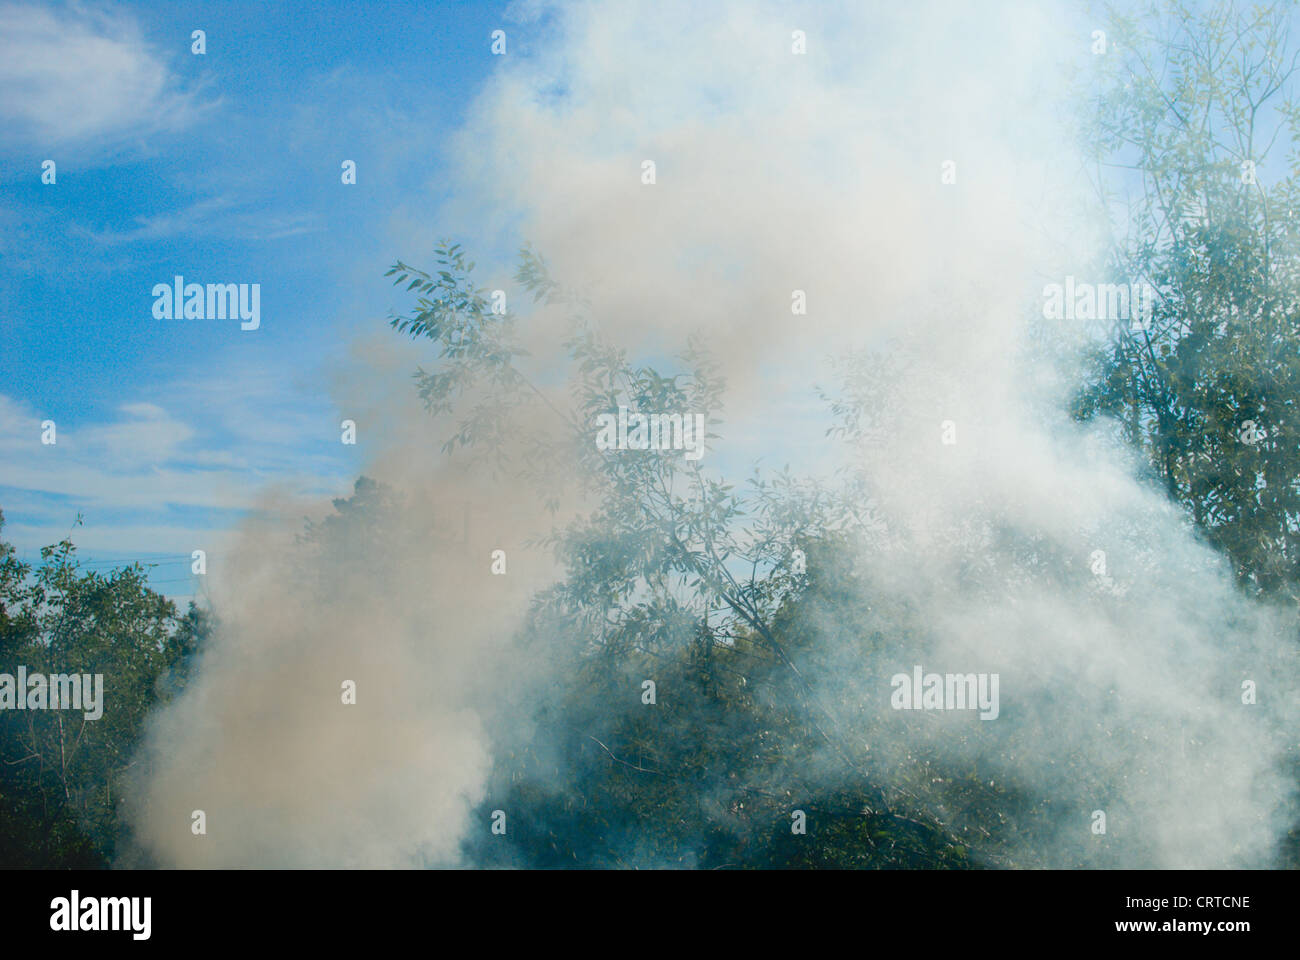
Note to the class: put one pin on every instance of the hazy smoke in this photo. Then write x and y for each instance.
(775, 172)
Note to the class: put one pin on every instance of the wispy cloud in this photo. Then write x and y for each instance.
(213, 216)
(146, 463)
(75, 74)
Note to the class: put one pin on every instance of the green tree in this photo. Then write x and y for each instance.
(61, 774)
(1194, 135)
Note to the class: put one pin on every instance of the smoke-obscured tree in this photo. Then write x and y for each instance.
(1195, 143)
(673, 575)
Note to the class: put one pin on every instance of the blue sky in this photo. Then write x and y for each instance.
(224, 168)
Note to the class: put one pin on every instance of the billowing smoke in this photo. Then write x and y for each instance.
(912, 174)
(337, 717)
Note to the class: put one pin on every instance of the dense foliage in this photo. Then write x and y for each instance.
(61, 774)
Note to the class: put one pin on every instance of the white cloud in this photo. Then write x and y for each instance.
(77, 74)
(212, 216)
(149, 435)
(146, 461)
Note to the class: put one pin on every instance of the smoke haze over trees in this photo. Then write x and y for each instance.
(672, 661)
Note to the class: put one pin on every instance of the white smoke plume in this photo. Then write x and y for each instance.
(774, 172)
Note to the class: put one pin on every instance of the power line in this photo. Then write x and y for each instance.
(164, 560)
